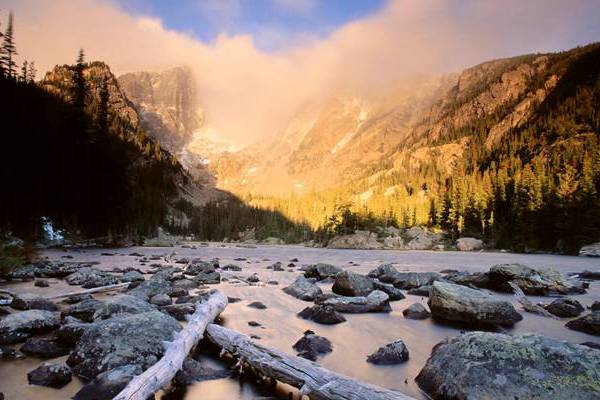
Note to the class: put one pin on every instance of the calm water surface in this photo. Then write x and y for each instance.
(352, 341)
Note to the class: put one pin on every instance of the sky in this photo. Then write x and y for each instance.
(256, 62)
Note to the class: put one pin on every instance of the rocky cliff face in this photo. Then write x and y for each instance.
(133, 121)
(166, 103)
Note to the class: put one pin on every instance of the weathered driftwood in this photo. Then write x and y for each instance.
(313, 380)
(160, 374)
(98, 289)
(527, 304)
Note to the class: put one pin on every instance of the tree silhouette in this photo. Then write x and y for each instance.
(9, 50)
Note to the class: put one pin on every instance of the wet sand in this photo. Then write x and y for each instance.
(352, 341)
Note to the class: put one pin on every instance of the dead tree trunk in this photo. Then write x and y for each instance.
(160, 374)
(527, 304)
(313, 380)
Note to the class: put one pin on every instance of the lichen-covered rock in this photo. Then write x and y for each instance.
(303, 289)
(531, 281)
(159, 284)
(376, 301)
(19, 326)
(322, 314)
(565, 308)
(483, 365)
(71, 330)
(118, 341)
(589, 323)
(390, 354)
(416, 311)
(52, 375)
(310, 346)
(474, 307)
(83, 310)
(90, 277)
(108, 384)
(321, 271)
(352, 284)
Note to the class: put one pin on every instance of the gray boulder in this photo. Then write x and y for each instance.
(179, 311)
(322, 314)
(483, 365)
(376, 301)
(416, 311)
(199, 267)
(51, 375)
(19, 326)
(474, 307)
(44, 348)
(411, 280)
(108, 384)
(194, 371)
(390, 354)
(352, 284)
(310, 346)
(121, 304)
(84, 310)
(589, 323)
(303, 289)
(159, 284)
(321, 271)
(531, 281)
(469, 244)
(90, 277)
(207, 278)
(591, 250)
(392, 292)
(132, 276)
(160, 300)
(71, 330)
(117, 342)
(385, 273)
(26, 301)
(565, 308)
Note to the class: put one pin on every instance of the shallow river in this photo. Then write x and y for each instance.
(352, 341)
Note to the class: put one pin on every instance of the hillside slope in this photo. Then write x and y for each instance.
(506, 150)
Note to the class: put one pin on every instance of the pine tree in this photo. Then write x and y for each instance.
(2, 70)
(32, 72)
(80, 87)
(24, 72)
(9, 50)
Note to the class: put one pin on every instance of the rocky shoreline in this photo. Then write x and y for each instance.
(100, 332)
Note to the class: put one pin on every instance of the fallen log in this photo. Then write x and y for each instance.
(98, 289)
(313, 380)
(160, 374)
(527, 304)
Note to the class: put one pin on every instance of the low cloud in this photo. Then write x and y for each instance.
(248, 94)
